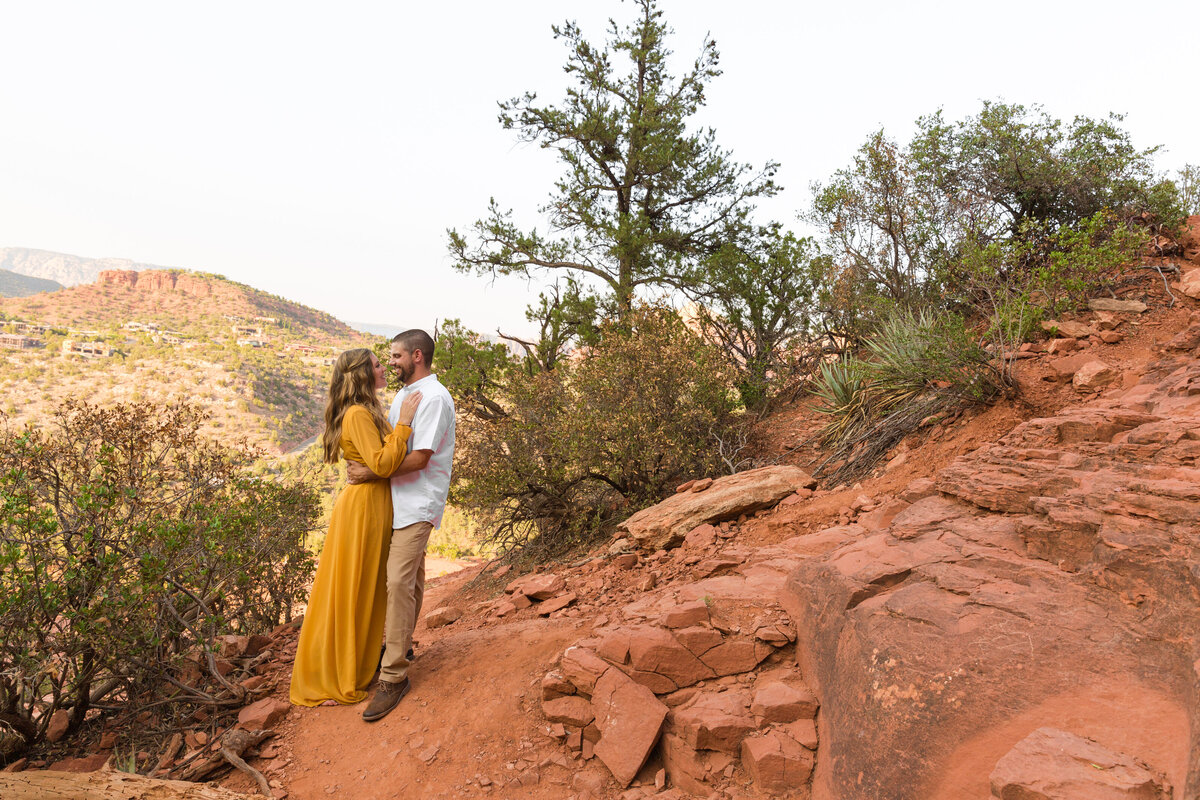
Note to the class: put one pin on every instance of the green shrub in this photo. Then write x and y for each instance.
(605, 433)
(126, 541)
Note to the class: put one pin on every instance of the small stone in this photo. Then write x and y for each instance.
(263, 715)
(445, 615)
(1095, 375)
(556, 604)
(625, 561)
(57, 729)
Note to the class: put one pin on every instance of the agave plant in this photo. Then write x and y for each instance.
(899, 367)
(845, 396)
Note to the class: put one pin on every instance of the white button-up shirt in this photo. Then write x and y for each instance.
(421, 496)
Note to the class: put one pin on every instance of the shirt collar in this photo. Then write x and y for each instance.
(415, 384)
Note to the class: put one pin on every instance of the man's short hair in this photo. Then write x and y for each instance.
(414, 340)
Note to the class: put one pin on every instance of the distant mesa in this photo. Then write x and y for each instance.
(156, 281)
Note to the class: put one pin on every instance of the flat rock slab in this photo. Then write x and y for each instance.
(1120, 306)
(668, 523)
(630, 719)
(1050, 764)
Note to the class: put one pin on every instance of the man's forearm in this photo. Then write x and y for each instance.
(413, 462)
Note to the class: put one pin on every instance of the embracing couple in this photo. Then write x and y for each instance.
(371, 577)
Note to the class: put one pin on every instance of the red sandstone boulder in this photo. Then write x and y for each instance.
(655, 650)
(734, 656)
(777, 762)
(541, 587)
(1095, 375)
(715, 721)
(666, 524)
(691, 769)
(778, 702)
(57, 729)
(582, 668)
(685, 615)
(556, 604)
(442, 616)
(554, 686)
(630, 718)
(1050, 764)
(570, 710)
(1189, 284)
(263, 715)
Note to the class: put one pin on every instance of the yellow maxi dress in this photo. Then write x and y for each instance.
(339, 641)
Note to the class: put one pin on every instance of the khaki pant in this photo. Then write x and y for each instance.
(405, 591)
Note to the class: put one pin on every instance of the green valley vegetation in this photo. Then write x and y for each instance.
(933, 261)
(13, 284)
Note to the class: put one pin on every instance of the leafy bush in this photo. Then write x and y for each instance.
(610, 430)
(1011, 187)
(1187, 184)
(760, 303)
(127, 542)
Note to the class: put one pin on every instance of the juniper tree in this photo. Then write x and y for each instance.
(642, 198)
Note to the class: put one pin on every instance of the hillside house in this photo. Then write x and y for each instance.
(144, 327)
(267, 320)
(27, 328)
(251, 343)
(86, 349)
(247, 332)
(16, 341)
(305, 349)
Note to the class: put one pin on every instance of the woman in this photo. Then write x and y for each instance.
(339, 642)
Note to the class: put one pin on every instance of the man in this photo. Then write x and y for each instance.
(419, 489)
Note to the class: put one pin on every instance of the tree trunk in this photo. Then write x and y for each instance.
(104, 785)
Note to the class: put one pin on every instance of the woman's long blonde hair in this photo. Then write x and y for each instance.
(352, 384)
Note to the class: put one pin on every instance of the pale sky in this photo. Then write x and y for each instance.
(320, 150)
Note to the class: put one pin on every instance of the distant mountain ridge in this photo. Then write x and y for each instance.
(64, 268)
(14, 284)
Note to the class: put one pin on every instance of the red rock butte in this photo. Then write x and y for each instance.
(156, 281)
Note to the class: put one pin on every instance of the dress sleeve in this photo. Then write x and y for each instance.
(382, 456)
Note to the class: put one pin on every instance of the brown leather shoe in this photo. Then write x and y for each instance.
(387, 696)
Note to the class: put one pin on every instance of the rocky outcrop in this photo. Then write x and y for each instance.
(156, 282)
(1050, 580)
(1050, 764)
(694, 675)
(666, 524)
